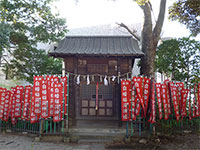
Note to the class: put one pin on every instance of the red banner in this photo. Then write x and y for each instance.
(2, 101)
(57, 115)
(44, 99)
(12, 106)
(146, 93)
(64, 80)
(133, 102)
(198, 96)
(184, 95)
(37, 94)
(18, 101)
(139, 91)
(174, 94)
(152, 118)
(125, 99)
(159, 101)
(27, 99)
(6, 105)
(164, 100)
(196, 101)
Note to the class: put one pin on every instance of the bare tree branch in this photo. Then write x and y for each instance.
(133, 33)
(160, 20)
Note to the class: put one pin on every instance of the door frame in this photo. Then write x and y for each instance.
(115, 101)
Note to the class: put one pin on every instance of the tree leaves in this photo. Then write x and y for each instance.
(187, 12)
(179, 57)
(24, 24)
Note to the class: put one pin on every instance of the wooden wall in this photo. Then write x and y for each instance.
(93, 65)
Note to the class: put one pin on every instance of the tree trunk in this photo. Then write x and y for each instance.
(150, 38)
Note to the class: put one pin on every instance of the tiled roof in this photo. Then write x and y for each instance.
(97, 46)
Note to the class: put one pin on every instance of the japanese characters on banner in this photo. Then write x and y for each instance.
(174, 94)
(47, 98)
(126, 96)
(58, 101)
(27, 100)
(3, 97)
(140, 94)
(165, 101)
(198, 96)
(159, 101)
(152, 118)
(44, 99)
(147, 83)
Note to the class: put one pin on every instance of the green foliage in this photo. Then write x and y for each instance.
(141, 2)
(181, 58)
(25, 23)
(187, 12)
(32, 62)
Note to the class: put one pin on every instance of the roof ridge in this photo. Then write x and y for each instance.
(98, 36)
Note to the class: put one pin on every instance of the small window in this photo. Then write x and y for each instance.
(112, 63)
(82, 62)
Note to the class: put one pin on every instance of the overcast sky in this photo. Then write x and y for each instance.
(85, 13)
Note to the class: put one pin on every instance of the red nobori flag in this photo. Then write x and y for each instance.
(37, 94)
(64, 80)
(159, 101)
(174, 94)
(196, 101)
(58, 97)
(164, 100)
(198, 96)
(137, 82)
(180, 86)
(18, 101)
(152, 118)
(125, 99)
(167, 83)
(184, 95)
(53, 80)
(44, 100)
(27, 98)
(146, 91)
(12, 106)
(133, 102)
(2, 101)
(6, 105)
(190, 106)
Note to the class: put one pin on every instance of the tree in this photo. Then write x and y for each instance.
(179, 57)
(24, 24)
(150, 35)
(32, 62)
(187, 12)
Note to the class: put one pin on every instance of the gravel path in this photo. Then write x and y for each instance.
(16, 142)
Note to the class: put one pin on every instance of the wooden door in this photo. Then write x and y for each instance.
(91, 107)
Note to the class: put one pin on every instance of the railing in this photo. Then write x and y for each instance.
(43, 127)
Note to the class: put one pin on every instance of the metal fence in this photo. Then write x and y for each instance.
(43, 127)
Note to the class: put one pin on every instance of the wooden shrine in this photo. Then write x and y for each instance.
(98, 59)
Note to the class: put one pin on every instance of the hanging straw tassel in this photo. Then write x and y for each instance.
(88, 80)
(105, 81)
(101, 79)
(78, 80)
(113, 78)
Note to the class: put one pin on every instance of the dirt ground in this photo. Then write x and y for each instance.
(186, 141)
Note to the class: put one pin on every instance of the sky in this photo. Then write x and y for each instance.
(85, 13)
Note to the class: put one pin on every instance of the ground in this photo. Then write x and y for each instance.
(185, 141)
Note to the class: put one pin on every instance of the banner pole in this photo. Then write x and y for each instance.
(131, 108)
(67, 115)
(63, 107)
